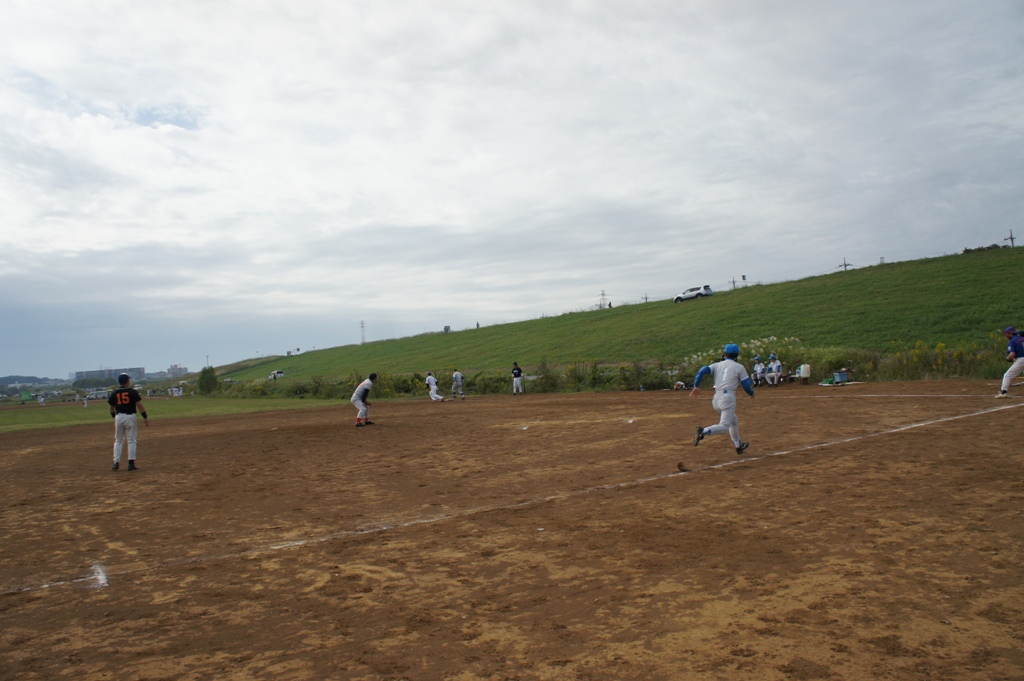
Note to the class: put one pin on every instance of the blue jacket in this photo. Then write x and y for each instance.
(1016, 346)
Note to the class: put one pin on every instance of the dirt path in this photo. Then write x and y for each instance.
(873, 531)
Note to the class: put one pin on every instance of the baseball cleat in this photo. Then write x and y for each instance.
(359, 425)
(117, 464)
(1002, 395)
(742, 448)
(698, 436)
(367, 423)
(132, 466)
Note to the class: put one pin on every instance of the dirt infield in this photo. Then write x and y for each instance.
(872, 531)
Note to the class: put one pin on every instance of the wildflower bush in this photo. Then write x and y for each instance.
(982, 360)
(789, 351)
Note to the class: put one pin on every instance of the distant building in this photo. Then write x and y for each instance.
(175, 371)
(137, 374)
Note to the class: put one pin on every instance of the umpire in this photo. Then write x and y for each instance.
(124, 403)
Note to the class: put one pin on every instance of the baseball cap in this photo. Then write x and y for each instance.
(373, 377)
(123, 378)
(1010, 330)
(732, 350)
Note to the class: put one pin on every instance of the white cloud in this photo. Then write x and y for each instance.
(421, 161)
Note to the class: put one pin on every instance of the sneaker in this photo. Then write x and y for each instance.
(1002, 395)
(742, 448)
(132, 466)
(698, 436)
(117, 464)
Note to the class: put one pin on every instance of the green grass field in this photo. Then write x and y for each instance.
(958, 299)
(59, 414)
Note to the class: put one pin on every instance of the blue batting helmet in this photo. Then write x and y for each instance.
(732, 350)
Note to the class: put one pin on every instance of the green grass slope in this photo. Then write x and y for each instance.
(952, 299)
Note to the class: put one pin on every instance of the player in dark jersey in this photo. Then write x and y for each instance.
(1014, 354)
(517, 379)
(124, 403)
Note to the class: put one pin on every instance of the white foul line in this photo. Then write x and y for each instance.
(900, 429)
(100, 577)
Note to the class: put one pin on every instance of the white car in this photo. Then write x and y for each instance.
(695, 292)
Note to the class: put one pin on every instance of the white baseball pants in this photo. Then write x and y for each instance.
(725, 404)
(126, 427)
(1013, 372)
(361, 406)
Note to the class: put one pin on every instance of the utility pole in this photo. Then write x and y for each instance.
(1010, 238)
(846, 265)
(362, 332)
(602, 301)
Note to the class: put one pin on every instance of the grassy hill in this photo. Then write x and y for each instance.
(953, 301)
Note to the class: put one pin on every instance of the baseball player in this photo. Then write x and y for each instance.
(774, 371)
(361, 403)
(517, 379)
(432, 382)
(124, 403)
(759, 370)
(1015, 354)
(729, 375)
(457, 385)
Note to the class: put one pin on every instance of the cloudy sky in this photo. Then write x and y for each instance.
(227, 179)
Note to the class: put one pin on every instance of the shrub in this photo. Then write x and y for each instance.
(207, 381)
(640, 376)
(254, 388)
(489, 383)
(547, 381)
